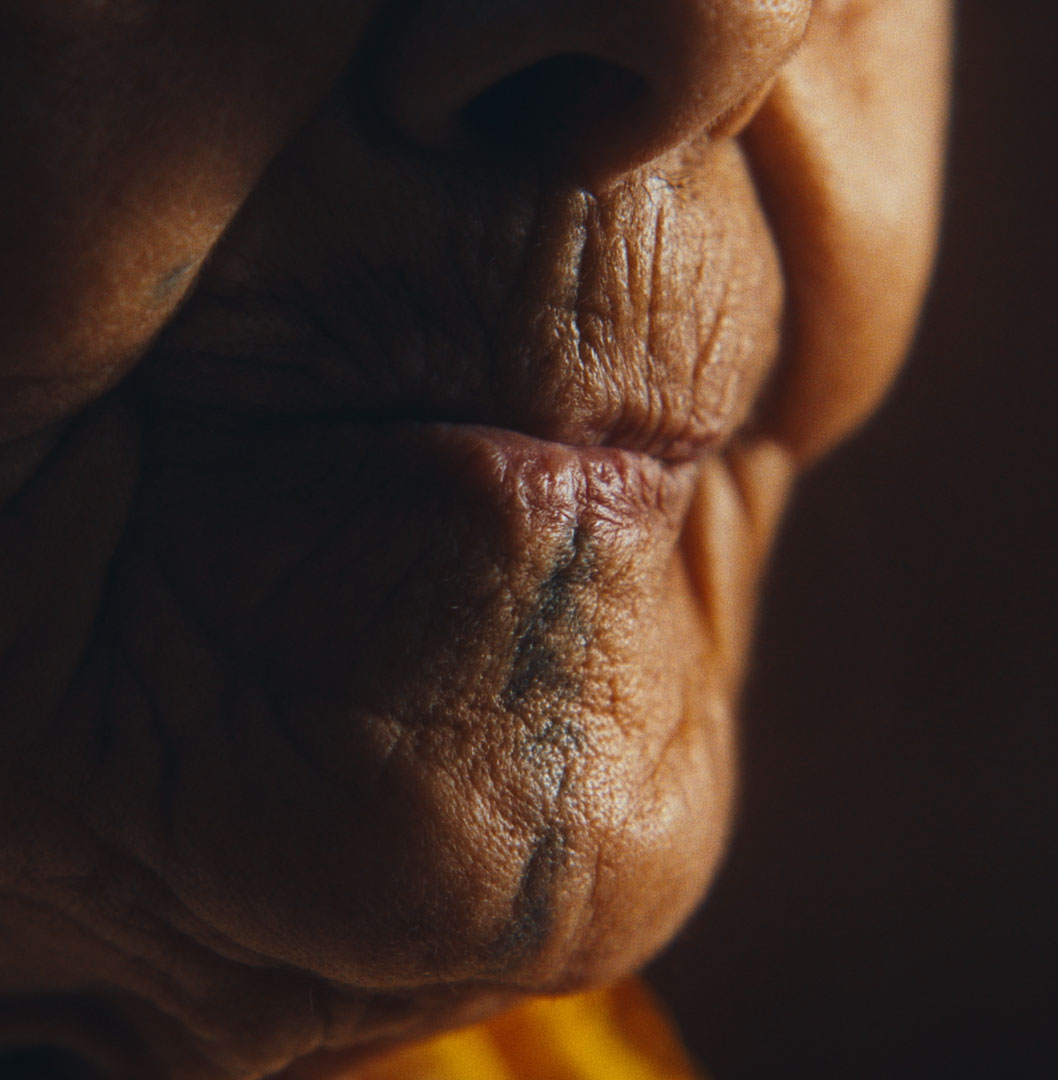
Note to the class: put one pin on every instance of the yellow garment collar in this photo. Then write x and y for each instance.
(619, 1033)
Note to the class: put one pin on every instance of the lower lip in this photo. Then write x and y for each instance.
(552, 483)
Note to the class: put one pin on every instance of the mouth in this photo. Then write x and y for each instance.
(424, 527)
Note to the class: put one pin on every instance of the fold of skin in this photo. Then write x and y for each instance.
(333, 715)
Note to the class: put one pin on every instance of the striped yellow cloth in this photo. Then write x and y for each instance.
(619, 1033)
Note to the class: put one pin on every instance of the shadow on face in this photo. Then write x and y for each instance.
(405, 404)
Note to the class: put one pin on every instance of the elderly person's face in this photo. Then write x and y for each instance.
(396, 403)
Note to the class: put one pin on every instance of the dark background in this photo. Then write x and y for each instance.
(890, 906)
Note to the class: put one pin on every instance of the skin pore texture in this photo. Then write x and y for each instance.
(397, 402)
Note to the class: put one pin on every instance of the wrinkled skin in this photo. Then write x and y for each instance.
(384, 496)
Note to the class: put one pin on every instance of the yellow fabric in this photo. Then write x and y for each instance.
(615, 1034)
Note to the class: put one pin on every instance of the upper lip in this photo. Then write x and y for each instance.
(568, 341)
(272, 386)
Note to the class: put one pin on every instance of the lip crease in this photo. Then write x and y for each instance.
(591, 442)
(669, 449)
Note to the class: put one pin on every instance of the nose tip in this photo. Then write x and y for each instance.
(606, 85)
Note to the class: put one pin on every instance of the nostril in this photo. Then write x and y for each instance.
(554, 107)
(593, 88)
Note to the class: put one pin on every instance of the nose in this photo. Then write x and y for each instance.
(603, 85)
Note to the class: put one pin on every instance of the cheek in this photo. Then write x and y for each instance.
(847, 151)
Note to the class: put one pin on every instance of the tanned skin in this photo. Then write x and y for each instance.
(397, 403)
